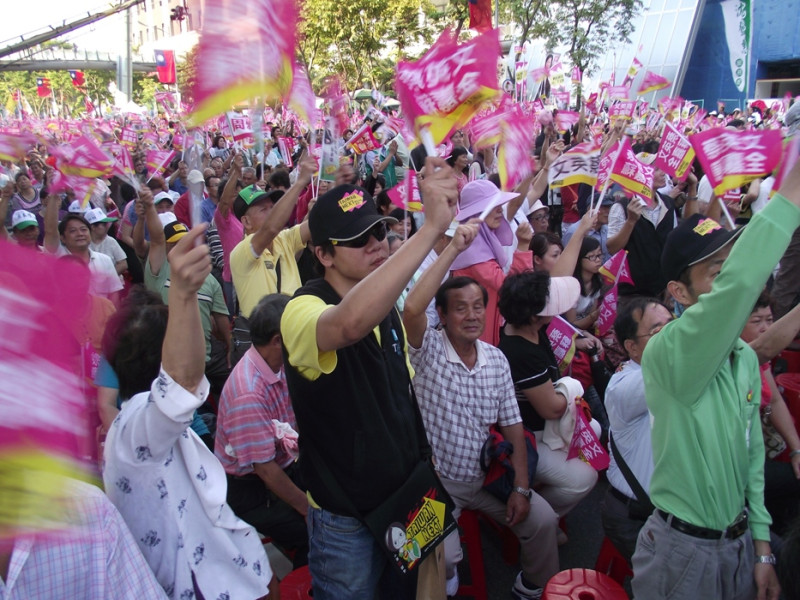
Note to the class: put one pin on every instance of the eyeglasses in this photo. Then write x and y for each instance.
(594, 257)
(652, 332)
(378, 231)
(543, 217)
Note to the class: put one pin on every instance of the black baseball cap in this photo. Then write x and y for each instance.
(250, 196)
(175, 231)
(691, 242)
(342, 214)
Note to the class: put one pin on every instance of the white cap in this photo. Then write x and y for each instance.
(22, 219)
(195, 176)
(96, 215)
(167, 218)
(76, 208)
(161, 196)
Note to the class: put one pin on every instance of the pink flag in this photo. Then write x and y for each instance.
(632, 174)
(622, 110)
(447, 86)
(484, 128)
(561, 99)
(734, 158)
(618, 92)
(675, 153)
(240, 126)
(285, 146)
(157, 161)
(652, 82)
(246, 50)
(790, 153)
(337, 103)
(13, 146)
(128, 136)
(576, 75)
(584, 442)
(562, 339)
(632, 71)
(514, 157)
(363, 140)
(406, 194)
(82, 157)
(615, 269)
(565, 119)
(301, 97)
(608, 311)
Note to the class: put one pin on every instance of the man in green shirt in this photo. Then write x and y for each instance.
(709, 535)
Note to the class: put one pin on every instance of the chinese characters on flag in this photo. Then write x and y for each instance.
(675, 153)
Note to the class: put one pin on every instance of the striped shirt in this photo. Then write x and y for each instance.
(253, 397)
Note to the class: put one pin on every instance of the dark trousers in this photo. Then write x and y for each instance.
(619, 527)
(254, 503)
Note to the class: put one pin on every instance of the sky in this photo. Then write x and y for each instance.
(33, 16)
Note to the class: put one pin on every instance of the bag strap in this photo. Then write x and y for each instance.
(278, 273)
(630, 478)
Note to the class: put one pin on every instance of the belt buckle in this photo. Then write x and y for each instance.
(738, 527)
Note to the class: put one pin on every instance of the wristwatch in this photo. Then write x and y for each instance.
(794, 453)
(767, 559)
(527, 492)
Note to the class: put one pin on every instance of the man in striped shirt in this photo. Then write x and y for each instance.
(256, 440)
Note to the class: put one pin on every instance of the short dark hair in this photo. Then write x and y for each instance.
(629, 315)
(62, 226)
(541, 242)
(457, 283)
(457, 152)
(764, 301)
(280, 178)
(523, 296)
(265, 320)
(132, 341)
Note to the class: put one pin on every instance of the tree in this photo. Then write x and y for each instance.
(531, 17)
(355, 39)
(587, 26)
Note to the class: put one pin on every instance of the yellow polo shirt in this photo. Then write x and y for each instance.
(255, 276)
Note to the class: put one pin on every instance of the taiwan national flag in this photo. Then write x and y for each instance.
(43, 87)
(165, 66)
(77, 78)
(480, 15)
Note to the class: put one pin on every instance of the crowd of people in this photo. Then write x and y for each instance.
(279, 359)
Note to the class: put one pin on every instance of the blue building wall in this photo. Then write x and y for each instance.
(775, 37)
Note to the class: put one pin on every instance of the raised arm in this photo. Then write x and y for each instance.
(366, 304)
(51, 238)
(565, 265)
(280, 213)
(158, 243)
(424, 290)
(184, 351)
(779, 335)
(620, 239)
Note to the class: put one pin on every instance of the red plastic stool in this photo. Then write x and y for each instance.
(297, 585)
(583, 584)
(471, 538)
(610, 562)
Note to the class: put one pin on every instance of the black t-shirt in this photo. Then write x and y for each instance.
(531, 366)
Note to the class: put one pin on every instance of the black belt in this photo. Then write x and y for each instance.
(735, 530)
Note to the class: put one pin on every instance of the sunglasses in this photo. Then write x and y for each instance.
(378, 231)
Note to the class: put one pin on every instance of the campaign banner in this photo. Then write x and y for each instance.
(285, 146)
(652, 82)
(406, 194)
(633, 175)
(608, 311)
(618, 92)
(562, 340)
(585, 442)
(734, 158)
(616, 270)
(577, 165)
(622, 110)
(240, 126)
(157, 161)
(449, 84)
(576, 75)
(561, 100)
(82, 157)
(363, 140)
(790, 154)
(675, 153)
(128, 136)
(329, 155)
(514, 156)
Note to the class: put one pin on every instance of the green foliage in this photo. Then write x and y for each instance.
(362, 40)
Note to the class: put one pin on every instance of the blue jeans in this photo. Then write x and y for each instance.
(346, 562)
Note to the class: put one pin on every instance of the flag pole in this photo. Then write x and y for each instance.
(595, 208)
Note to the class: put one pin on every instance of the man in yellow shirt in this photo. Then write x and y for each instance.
(264, 261)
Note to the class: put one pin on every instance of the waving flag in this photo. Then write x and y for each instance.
(632, 71)
(301, 97)
(13, 146)
(577, 165)
(562, 339)
(652, 82)
(448, 85)
(622, 166)
(337, 102)
(614, 271)
(246, 51)
(77, 78)
(406, 194)
(82, 157)
(514, 156)
(733, 158)
(165, 66)
(43, 87)
(157, 161)
(675, 153)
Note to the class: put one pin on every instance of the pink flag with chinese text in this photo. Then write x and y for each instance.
(406, 194)
(734, 158)
(675, 153)
(447, 86)
(584, 442)
(157, 161)
(562, 340)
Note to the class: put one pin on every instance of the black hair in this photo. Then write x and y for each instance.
(495, 179)
(736, 123)
(21, 174)
(128, 192)
(588, 244)
(265, 320)
(216, 140)
(764, 301)
(457, 283)
(458, 151)
(133, 338)
(629, 315)
(280, 179)
(62, 226)
(541, 242)
(374, 179)
(523, 296)
(382, 200)
(400, 215)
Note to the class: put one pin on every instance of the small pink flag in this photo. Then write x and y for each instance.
(562, 340)
(585, 443)
(406, 194)
(652, 82)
